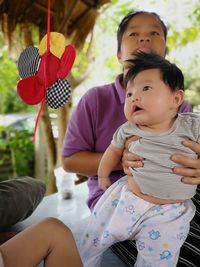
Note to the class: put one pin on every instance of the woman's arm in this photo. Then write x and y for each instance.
(84, 163)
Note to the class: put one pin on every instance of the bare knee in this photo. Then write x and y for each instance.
(52, 222)
(55, 227)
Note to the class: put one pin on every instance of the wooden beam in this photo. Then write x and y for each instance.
(68, 15)
(39, 6)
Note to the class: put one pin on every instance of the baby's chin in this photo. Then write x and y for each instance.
(138, 122)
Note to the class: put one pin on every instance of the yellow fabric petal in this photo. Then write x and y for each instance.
(57, 44)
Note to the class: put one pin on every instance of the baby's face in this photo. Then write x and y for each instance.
(149, 101)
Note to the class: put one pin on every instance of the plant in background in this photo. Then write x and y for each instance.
(9, 101)
(22, 150)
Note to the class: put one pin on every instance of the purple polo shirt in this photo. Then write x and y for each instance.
(97, 116)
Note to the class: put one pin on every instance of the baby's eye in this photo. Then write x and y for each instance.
(146, 88)
(128, 94)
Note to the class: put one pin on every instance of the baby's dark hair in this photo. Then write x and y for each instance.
(124, 23)
(170, 73)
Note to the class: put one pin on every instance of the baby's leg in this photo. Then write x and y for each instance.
(49, 240)
(115, 218)
(162, 234)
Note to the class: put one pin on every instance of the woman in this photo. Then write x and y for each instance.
(92, 125)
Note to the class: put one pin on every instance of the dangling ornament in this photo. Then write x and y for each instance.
(43, 71)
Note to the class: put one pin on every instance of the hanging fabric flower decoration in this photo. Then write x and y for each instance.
(43, 71)
(36, 81)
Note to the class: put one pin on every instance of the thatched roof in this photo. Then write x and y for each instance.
(73, 18)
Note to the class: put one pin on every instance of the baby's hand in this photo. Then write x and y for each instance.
(104, 183)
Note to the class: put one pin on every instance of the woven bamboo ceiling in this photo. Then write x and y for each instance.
(73, 18)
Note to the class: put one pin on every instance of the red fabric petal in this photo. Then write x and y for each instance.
(30, 90)
(52, 64)
(66, 62)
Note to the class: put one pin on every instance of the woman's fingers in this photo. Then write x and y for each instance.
(130, 140)
(190, 169)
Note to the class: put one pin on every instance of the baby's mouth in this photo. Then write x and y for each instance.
(136, 108)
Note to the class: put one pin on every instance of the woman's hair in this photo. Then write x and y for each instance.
(170, 73)
(124, 23)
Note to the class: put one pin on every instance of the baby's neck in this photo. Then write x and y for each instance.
(159, 127)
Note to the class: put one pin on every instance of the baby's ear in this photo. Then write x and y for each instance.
(178, 97)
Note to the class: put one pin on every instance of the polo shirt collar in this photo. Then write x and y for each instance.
(119, 88)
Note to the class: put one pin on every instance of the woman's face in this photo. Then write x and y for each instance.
(143, 33)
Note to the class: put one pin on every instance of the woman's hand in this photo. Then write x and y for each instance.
(130, 159)
(191, 167)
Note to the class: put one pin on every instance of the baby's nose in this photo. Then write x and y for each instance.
(135, 98)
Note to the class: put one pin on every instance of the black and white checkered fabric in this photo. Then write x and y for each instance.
(58, 94)
(28, 62)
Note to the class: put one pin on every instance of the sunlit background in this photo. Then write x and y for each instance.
(175, 13)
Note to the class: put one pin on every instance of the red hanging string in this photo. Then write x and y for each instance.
(45, 70)
(48, 26)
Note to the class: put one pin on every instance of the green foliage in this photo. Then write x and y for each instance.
(9, 101)
(193, 89)
(195, 16)
(22, 148)
(8, 71)
(114, 13)
(182, 38)
(188, 34)
(112, 64)
(3, 144)
(81, 61)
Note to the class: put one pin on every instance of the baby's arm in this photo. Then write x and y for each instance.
(110, 159)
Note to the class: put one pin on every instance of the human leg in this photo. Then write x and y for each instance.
(162, 233)
(96, 238)
(115, 218)
(49, 240)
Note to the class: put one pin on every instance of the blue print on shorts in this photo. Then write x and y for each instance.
(141, 245)
(157, 208)
(166, 254)
(154, 234)
(150, 249)
(115, 202)
(181, 236)
(130, 209)
(106, 234)
(96, 241)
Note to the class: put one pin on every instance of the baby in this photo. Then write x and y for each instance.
(152, 206)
